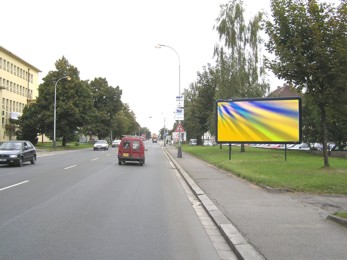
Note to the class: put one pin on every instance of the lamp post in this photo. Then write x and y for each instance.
(164, 133)
(179, 151)
(55, 111)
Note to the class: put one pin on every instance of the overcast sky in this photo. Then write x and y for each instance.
(116, 39)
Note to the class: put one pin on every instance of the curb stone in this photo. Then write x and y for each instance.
(337, 219)
(241, 247)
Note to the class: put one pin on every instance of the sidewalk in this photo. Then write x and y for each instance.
(265, 225)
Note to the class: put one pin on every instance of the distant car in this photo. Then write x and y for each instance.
(339, 148)
(193, 142)
(301, 146)
(100, 145)
(17, 152)
(208, 143)
(115, 143)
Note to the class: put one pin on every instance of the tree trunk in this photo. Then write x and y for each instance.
(64, 142)
(325, 135)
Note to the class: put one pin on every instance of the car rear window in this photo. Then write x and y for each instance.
(126, 144)
(136, 145)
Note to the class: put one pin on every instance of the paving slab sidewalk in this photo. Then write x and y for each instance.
(269, 225)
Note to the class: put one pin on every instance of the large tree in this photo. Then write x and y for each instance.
(240, 68)
(309, 42)
(239, 57)
(74, 102)
(107, 103)
(199, 100)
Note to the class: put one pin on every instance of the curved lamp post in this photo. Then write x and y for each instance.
(55, 111)
(179, 152)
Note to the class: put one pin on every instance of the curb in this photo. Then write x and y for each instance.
(274, 190)
(239, 244)
(338, 220)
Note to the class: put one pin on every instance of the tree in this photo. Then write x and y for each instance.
(74, 102)
(239, 61)
(125, 122)
(240, 68)
(28, 124)
(191, 123)
(107, 103)
(309, 43)
(199, 100)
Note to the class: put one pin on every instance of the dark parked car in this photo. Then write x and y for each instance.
(17, 152)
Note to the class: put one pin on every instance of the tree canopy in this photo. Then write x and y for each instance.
(309, 42)
(239, 71)
(82, 107)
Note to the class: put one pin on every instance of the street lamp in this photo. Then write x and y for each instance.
(55, 111)
(164, 133)
(179, 151)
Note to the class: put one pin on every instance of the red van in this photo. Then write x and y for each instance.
(131, 148)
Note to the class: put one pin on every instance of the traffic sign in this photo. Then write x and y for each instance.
(180, 101)
(179, 128)
(179, 115)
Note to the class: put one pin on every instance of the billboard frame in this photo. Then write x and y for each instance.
(250, 100)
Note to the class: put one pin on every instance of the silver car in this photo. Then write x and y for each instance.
(101, 145)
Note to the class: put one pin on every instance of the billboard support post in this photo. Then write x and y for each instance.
(229, 151)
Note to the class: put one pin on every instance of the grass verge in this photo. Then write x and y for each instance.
(301, 171)
(342, 214)
(69, 146)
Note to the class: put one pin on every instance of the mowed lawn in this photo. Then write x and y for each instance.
(301, 171)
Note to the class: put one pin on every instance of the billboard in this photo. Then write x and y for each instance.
(266, 120)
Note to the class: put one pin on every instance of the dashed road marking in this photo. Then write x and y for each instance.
(70, 167)
(11, 186)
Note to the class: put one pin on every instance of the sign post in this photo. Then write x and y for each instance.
(179, 115)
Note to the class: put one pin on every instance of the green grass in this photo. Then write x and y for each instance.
(302, 171)
(69, 146)
(342, 214)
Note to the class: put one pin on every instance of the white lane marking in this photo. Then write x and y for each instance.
(70, 167)
(95, 159)
(11, 186)
(108, 154)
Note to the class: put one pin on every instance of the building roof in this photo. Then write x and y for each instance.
(20, 59)
(285, 91)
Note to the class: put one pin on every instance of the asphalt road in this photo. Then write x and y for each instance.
(83, 205)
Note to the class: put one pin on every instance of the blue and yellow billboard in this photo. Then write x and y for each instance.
(267, 120)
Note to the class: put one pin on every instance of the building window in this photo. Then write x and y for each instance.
(0, 63)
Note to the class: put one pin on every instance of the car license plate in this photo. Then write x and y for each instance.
(125, 154)
(3, 160)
